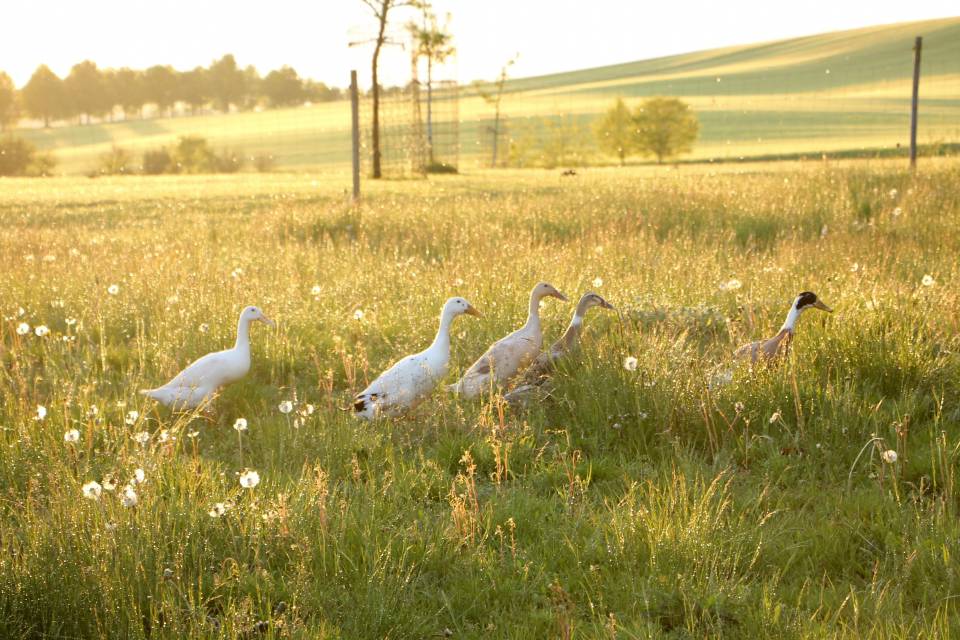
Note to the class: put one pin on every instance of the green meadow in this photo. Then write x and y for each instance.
(843, 91)
(686, 497)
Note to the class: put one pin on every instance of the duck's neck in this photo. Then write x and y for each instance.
(442, 340)
(243, 336)
(533, 315)
(571, 336)
(791, 322)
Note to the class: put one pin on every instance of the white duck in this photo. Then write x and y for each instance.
(404, 385)
(511, 354)
(775, 347)
(535, 375)
(198, 382)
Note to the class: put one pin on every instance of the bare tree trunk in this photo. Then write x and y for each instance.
(375, 134)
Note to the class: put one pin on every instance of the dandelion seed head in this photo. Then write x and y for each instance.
(41, 412)
(128, 497)
(889, 456)
(139, 477)
(131, 417)
(249, 479)
(315, 290)
(41, 331)
(598, 282)
(240, 424)
(217, 510)
(928, 280)
(23, 329)
(285, 407)
(203, 328)
(630, 363)
(113, 289)
(141, 438)
(358, 315)
(71, 435)
(92, 490)
(776, 416)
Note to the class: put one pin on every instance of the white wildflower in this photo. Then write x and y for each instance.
(285, 407)
(139, 477)
(41, 331)
(358, 314)
(113, 289)
(597, 282)
(204, 327)
(928, 281)
(218, 509)
(889, 456)
(23, 329)
(141, 438)
(71, 436)
(132, 416)
(129, 497)
(315, 290)
(630, 363)
(109, 482)
(41, 412)
(240, 424)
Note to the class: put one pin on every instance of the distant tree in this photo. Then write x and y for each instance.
(433, 43)
(666, 127)
(381, 11)
(283, 87)
(252, 88)
(8, 102)
(617, 132)
(129, 90)
(160, 86)
(193, 89)
(227, 82)
(44, 96)
(494, 98)
(319, 92)
(87, 90)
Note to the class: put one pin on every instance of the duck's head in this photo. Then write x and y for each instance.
(458, 306)
(809, 300)
(254, 314)
(545, 289)
(590, 300)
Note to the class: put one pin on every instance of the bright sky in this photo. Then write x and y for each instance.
(312, 35)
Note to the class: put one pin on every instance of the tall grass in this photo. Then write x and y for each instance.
(644, 503)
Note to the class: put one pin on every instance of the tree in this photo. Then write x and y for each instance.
(87, 90)
(252, 88)
(160, 86)
(283, 87)
(192, 88)
(381, 11)
(319, 92)
(226, 82)
(666, 127)
(129, 90)
(434, 44)
(493, 98)
(617, 132)
(8, 101)
(44, 96)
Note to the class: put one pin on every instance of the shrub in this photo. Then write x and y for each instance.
(117, 161)
(439, 167)
(193, 155)
(16, 156)
(229, 161)
(264, 163)
(157, 162)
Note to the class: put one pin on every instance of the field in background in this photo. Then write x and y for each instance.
(839, 91)
(655, 502)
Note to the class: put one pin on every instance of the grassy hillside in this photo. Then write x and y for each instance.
(835, 91)
(661, 501)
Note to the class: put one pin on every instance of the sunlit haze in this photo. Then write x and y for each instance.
(313, 37)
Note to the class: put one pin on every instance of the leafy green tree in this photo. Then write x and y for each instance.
(283, 87)
(8, 102)
(319, 92)
(160, 86)
(252, 88)
(87, 91)
(129, 90)
(666, 127)
(616, 131)
(44, 96)
(227, 82)
(193, 89)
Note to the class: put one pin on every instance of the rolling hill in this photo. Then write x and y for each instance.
(832, 92)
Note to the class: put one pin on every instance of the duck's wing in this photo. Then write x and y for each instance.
(505, 357)
(202, 372)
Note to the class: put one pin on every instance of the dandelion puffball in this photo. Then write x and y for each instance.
(889, 456)
(630, 363)
(928, 281)
(285, 407)
(42, 331)
(113, 289)
(41, 412)
(92, 490)
(249, 479)
(129, 497)
(240, 424)
(23, 329)
(71, 436)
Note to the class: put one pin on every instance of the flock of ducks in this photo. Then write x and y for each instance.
(514, 362)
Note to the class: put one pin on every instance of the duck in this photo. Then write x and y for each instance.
(533, 378)
(774, 348)
(408, 382)
(200, 381)
(511, 354)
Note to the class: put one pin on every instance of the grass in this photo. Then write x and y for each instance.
(648, 503)
(833, 92)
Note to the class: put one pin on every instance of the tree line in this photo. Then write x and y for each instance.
(90, 92)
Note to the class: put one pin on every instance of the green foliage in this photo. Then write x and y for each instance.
(283, 87)
(160, 84)
(616, 131)
(665, 127)
(227, 82)
(9, 109)
(88, 90)
(157, 161)
(20, 158)
(191, 155)
(117, 161)
(45, 97)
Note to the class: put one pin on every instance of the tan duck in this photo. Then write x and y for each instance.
(778, 345)
(535, 375)
(509, 355)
